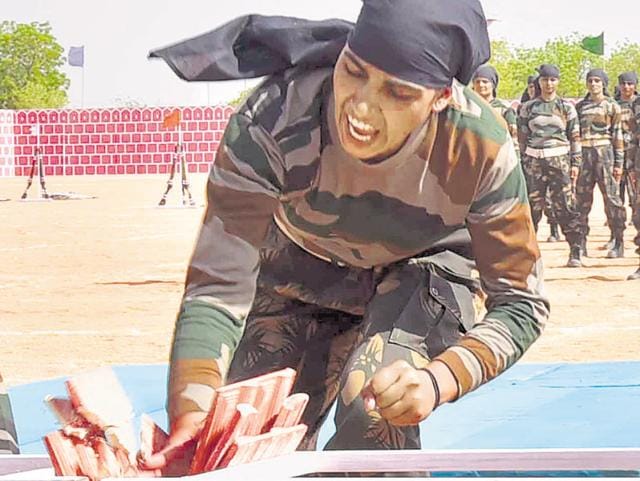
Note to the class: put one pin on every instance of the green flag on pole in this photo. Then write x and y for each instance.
(594, 44)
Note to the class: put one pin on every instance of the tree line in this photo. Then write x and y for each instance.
(31, 59)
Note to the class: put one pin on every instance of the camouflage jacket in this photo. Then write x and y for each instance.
(545, 125)
(455, 184)
(510, 116)
(602, 121)
(629, 128)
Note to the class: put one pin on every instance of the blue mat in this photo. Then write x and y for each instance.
(595, 405)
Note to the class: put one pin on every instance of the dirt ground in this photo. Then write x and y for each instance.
(87, 283)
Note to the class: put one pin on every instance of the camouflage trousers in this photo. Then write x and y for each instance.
(552, 176)
(337, 325)
(627, 186)
(597, 168)
(8, 438)
(635, 215)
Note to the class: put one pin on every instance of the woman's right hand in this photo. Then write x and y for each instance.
(175, 457)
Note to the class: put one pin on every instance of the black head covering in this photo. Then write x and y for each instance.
(489, 73)
(428, 42)
(531, 79)
(525, 97)
(630, 77)
(599, 73)
(548, 70)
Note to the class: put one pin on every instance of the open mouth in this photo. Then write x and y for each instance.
(359, 130)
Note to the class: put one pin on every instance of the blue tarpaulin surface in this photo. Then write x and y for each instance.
(590, 405)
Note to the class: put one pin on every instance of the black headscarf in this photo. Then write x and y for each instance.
(489, 73)
(525, 97)
(630, 77)
(599, 73)
(548, 70)
(428, 42)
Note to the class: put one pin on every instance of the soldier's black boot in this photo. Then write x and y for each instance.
(617, 250)
(609, 245)
(555, 234)
(575, 256)
(583, 248)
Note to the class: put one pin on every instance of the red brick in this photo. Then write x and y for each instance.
(100, 128)
(146, 158)
(120, 169)
(146, 138)
(106, 116)
(58, 129)
(203, 125)
(111, 169)
(68, 171)
(137, 138)
(58, 149)
(192, 126)
(89, 128)
(101, 170)
(95, 139)
(192, 168)
(48, 149)
(84, 139)
(199, 157)
(125, 138)
(27, 150)
(78, 129)
(106, 159)
(141, 169)
(141, 148)
(131, 148)
(208, 136)
(125, 116)
(152, 127)
(157, 157)
(120, 148)
(74, 159)
(115, 138)
(152, 169)
(48, 129)
(130, 127)
(125, 158)
(203, 147)
(64, 117)
(131, 169)
(141, 127)
(163, 168)
(74, 139)
(111, 148)
(95, 159)
(78, 170)
(111, 128)
(203, 168)
(90, 170)
(105, 139)
(78, 149)
(119, 127)
(59, 170)
(85, 159)
(54, 139)
(101, 149)
(18, 171)
(90, 149)
(54, 160)
(135, 115)
(136, 158)
(146, 115)
(152, 148)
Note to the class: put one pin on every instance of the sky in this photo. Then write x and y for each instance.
(118, 34)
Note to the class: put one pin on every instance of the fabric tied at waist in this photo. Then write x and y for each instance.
(595, 143)
(544, 153)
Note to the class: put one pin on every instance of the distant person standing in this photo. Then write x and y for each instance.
(531, 92)
(634, 178)
(485, 84)
(603, 158)
(8, 437)
(627, 98)
(549, 136)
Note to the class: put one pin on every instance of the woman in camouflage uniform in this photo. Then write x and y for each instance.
(550, 143)
(345, 207)
(603, 159)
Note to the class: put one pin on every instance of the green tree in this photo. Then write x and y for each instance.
(30, 61)
(623, 58)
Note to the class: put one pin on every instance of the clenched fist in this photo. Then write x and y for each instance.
(401, 394)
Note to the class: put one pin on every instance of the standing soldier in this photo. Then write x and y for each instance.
(634, 178)
(603, 158)
(627, 82)
(549, 137)
(531, 92)
(8, 443)
(485, 84)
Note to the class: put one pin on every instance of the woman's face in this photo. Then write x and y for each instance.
(548, 85)
(595, 85)
(627, 89)
(376, 112)
(483, 87)
(531, 90)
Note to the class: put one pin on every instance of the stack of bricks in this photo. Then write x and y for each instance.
(108, 141)
(6, 143)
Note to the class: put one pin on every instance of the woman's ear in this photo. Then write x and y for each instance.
(442, 100)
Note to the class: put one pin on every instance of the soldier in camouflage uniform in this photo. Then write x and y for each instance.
(627, 96)
(549, 138)
(602, 159)
(531, 92)
(345, 208)
(8, 437)
(634, 177)
(485, 84)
